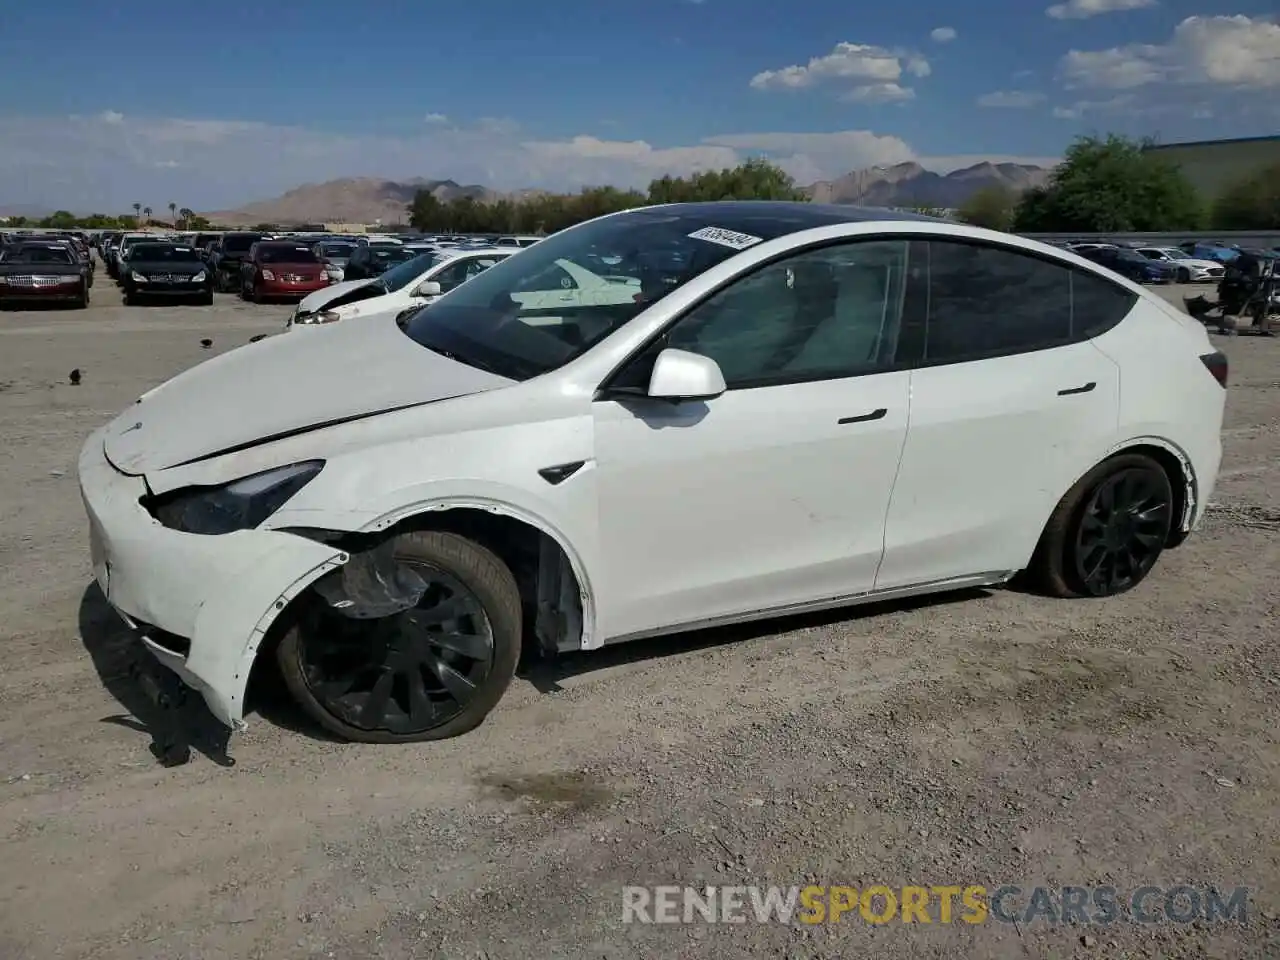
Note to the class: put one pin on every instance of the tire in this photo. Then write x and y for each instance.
(1184, 275)
(484, 577)
(1057, 566)
(206, 299)
(130, 299)
(83, 302)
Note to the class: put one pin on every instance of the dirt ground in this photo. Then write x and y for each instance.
(991, 738)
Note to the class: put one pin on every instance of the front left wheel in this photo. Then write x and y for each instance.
(1107, 533)
(429, 673)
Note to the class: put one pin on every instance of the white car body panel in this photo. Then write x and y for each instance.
(791, 533)
(756, 501)
(954, 509)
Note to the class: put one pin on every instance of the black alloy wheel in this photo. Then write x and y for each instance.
(1122, 530)
(1107, 533)
(430, 672)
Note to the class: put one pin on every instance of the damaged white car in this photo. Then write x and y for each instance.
(792, 407)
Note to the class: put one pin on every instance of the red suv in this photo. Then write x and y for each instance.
(279, 269)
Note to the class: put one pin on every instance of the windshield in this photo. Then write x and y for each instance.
(535, 312)
(381, 258)
(240, 242)
(397, 278)
(38, 255)
(282, 253)
(339, 251)
(1130, 255)
(164, 251)
(1173, 253)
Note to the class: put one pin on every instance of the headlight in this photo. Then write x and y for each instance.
(324, 316)
(199, 277)
(241, 505)
(137, 277)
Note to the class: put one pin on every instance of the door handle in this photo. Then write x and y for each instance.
(1072, 391)
(873, 415)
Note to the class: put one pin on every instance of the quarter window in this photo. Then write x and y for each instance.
(823, 314)
(984, 301)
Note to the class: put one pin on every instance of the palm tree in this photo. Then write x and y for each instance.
(186, 213)
(146, 215)
(137, 214)
(173, 213)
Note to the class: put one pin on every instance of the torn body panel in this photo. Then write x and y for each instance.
(219, 593)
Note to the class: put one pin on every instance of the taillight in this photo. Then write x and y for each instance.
(1216, 364)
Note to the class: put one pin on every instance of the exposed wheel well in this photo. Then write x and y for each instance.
(1179, 480)
(550, 593)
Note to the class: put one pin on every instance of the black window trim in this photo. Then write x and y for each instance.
(913, 297)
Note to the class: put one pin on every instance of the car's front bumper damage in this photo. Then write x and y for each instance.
(202, 604)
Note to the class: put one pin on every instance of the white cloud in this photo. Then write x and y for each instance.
(1236, 51)
(106, 163)
(1083, 9)
(1011, 99)
(872, 73)
(942, 34)
(435, 118)
(879, 93)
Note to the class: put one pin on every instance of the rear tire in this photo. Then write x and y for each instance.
(1107, 533)
(307, 652)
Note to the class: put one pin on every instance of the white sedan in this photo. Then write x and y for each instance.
(793, 407)
(1190, 270)
(412, 284)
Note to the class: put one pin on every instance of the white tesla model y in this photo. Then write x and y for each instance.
(795, 406)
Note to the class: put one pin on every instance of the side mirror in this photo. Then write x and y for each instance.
(428, 288)
(679, 375)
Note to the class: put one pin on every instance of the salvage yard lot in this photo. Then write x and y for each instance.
(988, 738)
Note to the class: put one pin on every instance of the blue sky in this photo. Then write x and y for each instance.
(216, 105)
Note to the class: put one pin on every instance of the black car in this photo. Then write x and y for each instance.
(166, 270)
(228, 254)
(43, 273)
(369, 261)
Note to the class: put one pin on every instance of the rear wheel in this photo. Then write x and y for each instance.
(1108, 531)
(429, 673)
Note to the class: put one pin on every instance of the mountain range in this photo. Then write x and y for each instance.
(371, 200)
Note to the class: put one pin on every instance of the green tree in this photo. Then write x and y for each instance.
(425, 211)
(992, 207)
(173, 212)
(265, 227)
(1111, 185)
(757, 179)
(1251, 203)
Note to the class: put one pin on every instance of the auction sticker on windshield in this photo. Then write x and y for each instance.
(726, 238)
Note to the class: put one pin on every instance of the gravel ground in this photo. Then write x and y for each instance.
(989, 738)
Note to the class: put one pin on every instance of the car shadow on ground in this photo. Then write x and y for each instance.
(546, 674)
(177, 724)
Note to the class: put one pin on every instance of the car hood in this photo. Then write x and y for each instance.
(315, 302)
(1197, 264)
(283, 386)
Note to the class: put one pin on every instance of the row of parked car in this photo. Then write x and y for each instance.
(268, 266)
(1195, 261)
(45, 268)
